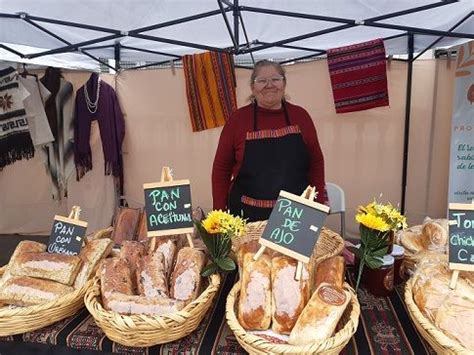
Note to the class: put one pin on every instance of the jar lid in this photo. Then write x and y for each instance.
(398, 250)
(388, 260)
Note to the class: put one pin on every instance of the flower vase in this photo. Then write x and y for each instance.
(391, 241)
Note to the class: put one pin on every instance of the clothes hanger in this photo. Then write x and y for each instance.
(25, 72)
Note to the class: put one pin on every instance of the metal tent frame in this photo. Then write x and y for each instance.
(247, 46)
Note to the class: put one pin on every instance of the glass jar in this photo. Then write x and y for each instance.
(379, 281)
(398, 253)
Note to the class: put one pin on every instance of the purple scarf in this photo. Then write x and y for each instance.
(111, 126)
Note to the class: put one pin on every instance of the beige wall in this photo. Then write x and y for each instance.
(363, 150)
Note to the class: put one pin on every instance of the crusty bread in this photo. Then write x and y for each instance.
(132, 252)
(28, 291)
(114, 277)
(434, 236)
(100, 234)
(289, 297)
(319, 318)
(254, 310)
(151, 278)
(91, 255)
(133, 304)
(166, 246)
(125, 224)
(330, 271)
(185, 282)
(56, 267)
(25, 246)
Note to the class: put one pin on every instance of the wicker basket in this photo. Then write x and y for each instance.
(143, 330)
(329, 243)
(26, 319)
(256, 345)
(440, 342)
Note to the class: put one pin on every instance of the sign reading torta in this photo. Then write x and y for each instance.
(168, 208)
(294, 226)
(66, 236)
(461, 236)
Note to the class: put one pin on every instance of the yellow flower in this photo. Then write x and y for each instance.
(372, 222)
(219, 222)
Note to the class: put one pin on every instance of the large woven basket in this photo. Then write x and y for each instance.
(26, 319)
(440, 342)
(143, 330)
(257, 345)
(329, 243)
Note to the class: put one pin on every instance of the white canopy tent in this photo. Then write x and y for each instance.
(150, 30)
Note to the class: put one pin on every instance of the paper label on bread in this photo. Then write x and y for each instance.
(332, 295)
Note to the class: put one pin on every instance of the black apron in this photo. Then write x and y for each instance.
(273, 160)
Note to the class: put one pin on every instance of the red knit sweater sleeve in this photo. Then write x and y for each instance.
(316, 170)
(224, 162)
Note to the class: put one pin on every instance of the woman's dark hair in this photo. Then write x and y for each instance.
(266, 63)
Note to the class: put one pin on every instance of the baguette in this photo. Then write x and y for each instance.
(28, 291)
(330, 271)
(91, 255)
(320, 316)
(114, 277)
(289, 297)
(56, 267)
(255, 306)
(132, 304)
(151, 278)
(186, 279)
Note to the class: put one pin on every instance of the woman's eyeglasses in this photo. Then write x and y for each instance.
(275, 80)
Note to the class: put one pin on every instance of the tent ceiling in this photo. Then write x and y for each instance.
(101, 25)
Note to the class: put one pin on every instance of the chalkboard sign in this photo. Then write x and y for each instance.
(461, 236)
(66, 236)
(168, 208)
(294, 226)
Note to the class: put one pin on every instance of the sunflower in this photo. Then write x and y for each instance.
(372, 222)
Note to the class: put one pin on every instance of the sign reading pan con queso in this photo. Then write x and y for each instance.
(168, 208)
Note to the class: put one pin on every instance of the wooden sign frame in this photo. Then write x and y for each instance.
(160, 233)
(283, 250)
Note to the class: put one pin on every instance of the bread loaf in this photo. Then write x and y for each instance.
(320, 316)
(254, 310)
(289, 297)
(186, 279)
(100, 234)
(25, 246)
(132, 252)
(56, 267)
(125, 304)
(248, 247)
(142, 230)
(114, 277)
(91, 255)
(434, 236)
(125, 224)
(28, 291)
(166, 246)
(330, 271)
(151, 278)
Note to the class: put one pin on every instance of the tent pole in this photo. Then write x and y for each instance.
(407, 118)
(117, 56)
(150, 51)
(227, 25)
(11, 50)
(235, 13)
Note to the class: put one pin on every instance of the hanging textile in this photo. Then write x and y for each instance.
(40, 130)
(358, 76)
(96, 100)
(15, 139)
(59, 155)
(210, 89)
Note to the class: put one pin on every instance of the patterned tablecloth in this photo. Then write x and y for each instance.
(384, 328)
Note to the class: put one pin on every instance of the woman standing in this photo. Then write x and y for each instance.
(266, 146)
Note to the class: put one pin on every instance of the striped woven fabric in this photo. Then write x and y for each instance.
(358, 76)
(210, 89)
(273, 133)
(257, 203)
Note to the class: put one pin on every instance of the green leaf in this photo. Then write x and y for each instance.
(226, 264)
(209, 270)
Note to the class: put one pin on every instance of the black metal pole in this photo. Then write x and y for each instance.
(411, 47)
(117, 56)
(412, 10)
(227, 24)
(235, 13)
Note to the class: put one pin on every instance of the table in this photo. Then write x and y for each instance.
(384, 328)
